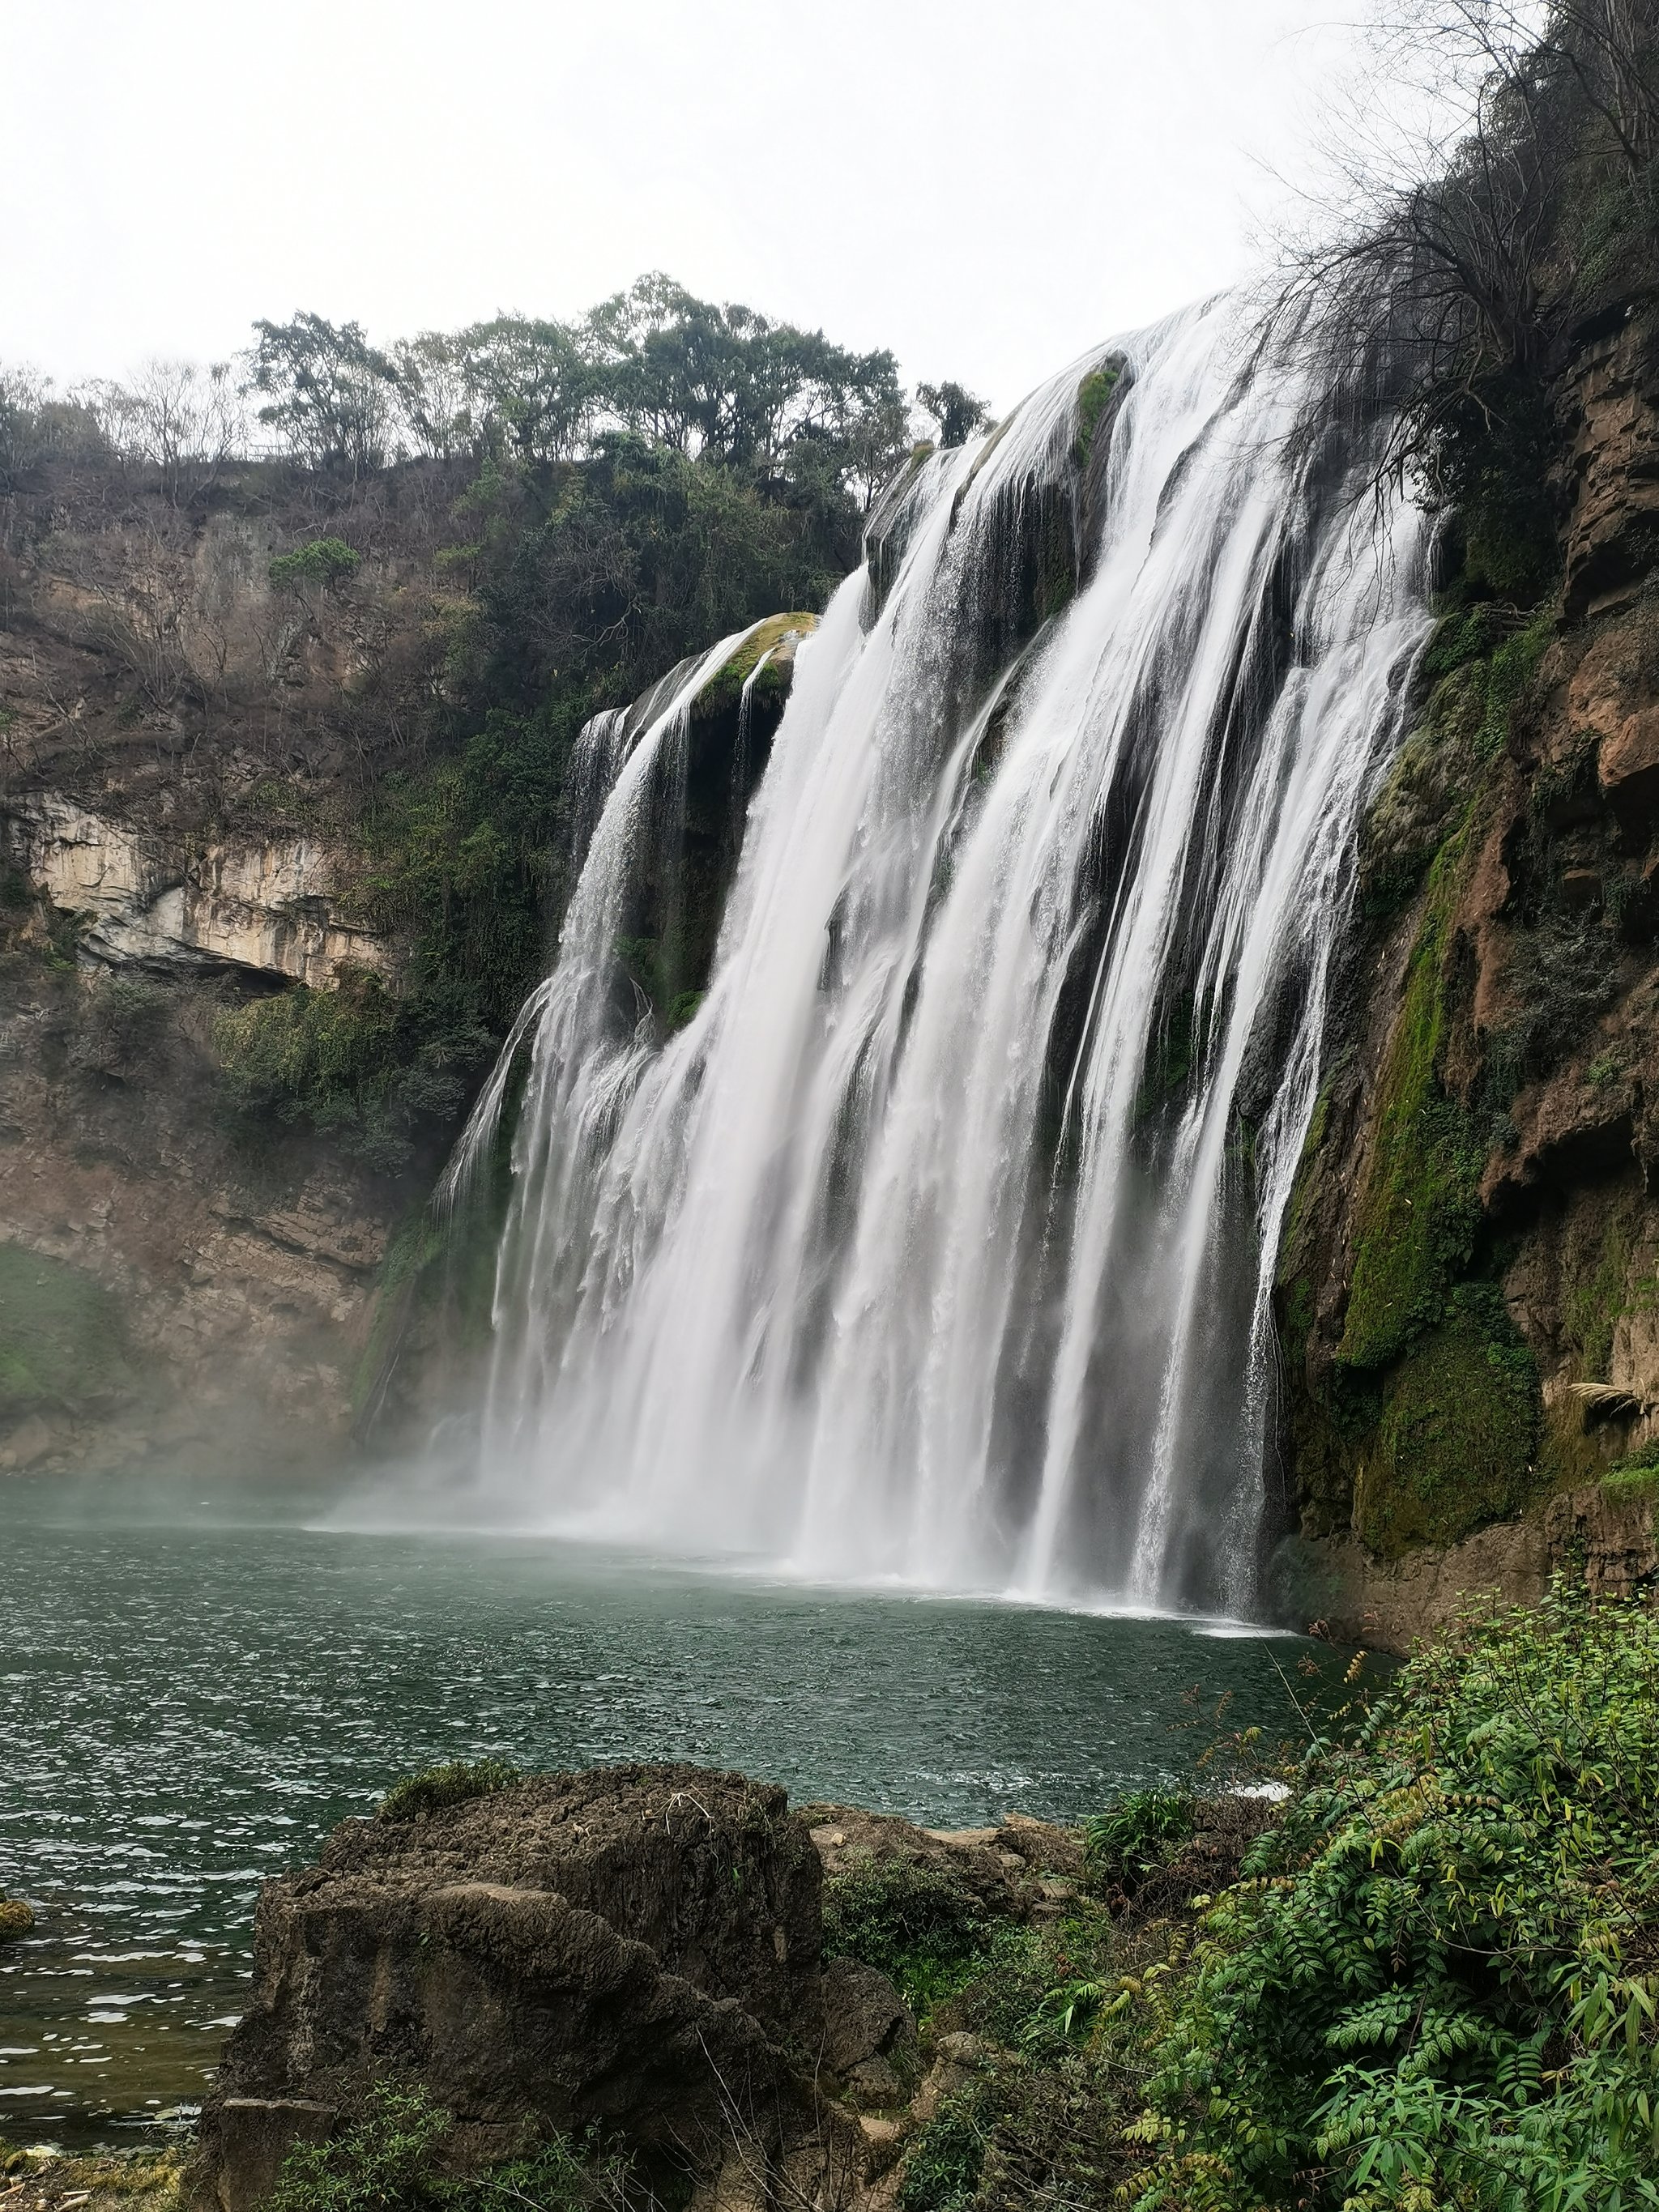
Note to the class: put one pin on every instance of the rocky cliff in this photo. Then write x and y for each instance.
(230, 1064)
(1469, 1292)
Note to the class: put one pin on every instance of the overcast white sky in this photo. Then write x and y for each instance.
(987, 186)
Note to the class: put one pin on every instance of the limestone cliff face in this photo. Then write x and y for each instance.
(1469, 1292)
(149, 899)
(177, 1286)
(186, 747)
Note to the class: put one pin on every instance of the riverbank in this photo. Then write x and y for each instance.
(197, 1699)
(1422, 1977)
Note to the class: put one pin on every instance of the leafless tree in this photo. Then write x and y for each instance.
(185, 422)
(1453, 245)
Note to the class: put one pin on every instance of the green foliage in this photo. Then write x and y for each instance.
(436, 1787)
(942, 2170)
(1092, 397)
(384, 2164)
(324, 561)
(1417, 1218)
(1636, 1475)
(463, 859)
(1438, 1986)
(63, 1336)
(123, 1020)
(392, 2161)
(1594, 1297)
(1511, 674)
(1134, 1834)
(375, 1071)
(657, 473)
(917, 1923)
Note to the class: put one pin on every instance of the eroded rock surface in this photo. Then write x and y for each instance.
(272, 909)
(636, 1949)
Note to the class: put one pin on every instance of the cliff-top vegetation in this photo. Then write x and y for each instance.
(469, 541)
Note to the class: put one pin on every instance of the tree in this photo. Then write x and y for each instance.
(331, 397)
(176, 417)
(1462, 255)
(955, 411)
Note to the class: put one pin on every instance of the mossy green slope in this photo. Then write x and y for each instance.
(62, 1336)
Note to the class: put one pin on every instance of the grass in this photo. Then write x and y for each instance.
(435, 1788)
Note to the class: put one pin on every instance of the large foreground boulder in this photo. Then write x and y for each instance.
(633, 1950)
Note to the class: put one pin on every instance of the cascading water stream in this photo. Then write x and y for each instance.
(940, 1245)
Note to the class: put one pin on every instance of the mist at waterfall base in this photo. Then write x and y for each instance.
(938, 1249)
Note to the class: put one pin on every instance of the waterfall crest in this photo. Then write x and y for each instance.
(940, 1245)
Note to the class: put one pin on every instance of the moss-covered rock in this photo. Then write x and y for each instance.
(772, 641)
(15, 1918)
(1094, 396)
(1455, 1446)
(1420, 1215)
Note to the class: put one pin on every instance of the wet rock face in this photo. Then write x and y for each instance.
(1614, 534)
(633, 1948)
(1466, 1292)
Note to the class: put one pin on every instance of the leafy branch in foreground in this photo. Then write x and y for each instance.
(1437, 1984)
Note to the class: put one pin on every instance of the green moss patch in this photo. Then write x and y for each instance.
(435, 1788)
(725, 687)
(1636, 1478)
(1457, 1444)
(62, 1336)
(1417, 1222)
(1093, 396)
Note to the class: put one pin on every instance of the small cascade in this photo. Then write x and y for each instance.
(939, 1243)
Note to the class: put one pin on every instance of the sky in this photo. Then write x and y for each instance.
(987, 186)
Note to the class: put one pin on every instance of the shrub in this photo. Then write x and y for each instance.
(391, 2161)
(383, 2164)
(915, 1922)
(436, 1787)
(324, 560)
(1134, 1834)
(943, 2167)
(355, 1062)
(1438, 1986)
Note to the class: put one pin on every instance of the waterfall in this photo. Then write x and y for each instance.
(940, 1245)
